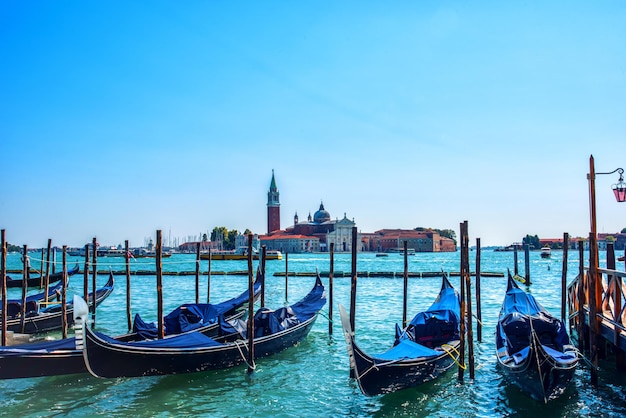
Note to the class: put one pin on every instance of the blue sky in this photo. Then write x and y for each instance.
(121, 118)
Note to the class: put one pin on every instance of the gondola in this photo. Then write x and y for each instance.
(532, 346)
(14, 306)
(193, 352)
(50, 318)
(60, 357)
(425, 349)
(38, 281)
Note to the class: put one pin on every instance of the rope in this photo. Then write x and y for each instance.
(243, 357)
(454, 350)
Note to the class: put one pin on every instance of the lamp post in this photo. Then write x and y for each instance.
(594, 299)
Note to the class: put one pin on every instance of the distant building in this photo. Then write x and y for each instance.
(393, 239)
(273, 207)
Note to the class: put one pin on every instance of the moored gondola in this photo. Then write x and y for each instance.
(50, 318)
(59, 357)
(193, 352)
(38, 281)
(425, 349)
(532, 346)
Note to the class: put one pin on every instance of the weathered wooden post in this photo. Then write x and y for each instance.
(47, 278)
(208, 283)
(468, 298)
(463, 312)
(64, 295)
(86, 275)
(286, 276)
(479, 316)
(3, 273)
(406, 285)
(331, 273)
(198, 272)
(581, 295)
(41, 267)
(94, 275)
(353, 280)
(25, 274)
(564, 276)
(527, 264)
(263, 257)
(593, 307)
(129, 311)
(251, 365)
(515, 269)
(159, 282)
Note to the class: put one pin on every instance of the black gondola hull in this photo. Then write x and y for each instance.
(111, 361)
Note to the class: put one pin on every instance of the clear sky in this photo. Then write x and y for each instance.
(119, 118)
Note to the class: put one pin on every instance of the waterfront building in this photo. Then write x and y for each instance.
(386, 240)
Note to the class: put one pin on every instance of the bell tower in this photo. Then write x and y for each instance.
(273, 207)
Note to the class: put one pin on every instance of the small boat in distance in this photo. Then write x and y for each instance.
(409, 251)
(241, 253)
(545, 251)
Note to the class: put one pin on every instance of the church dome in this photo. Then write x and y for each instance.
(321, 215)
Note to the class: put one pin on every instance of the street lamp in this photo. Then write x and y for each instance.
(619, 189)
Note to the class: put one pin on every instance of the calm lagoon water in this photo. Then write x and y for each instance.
(312, 379)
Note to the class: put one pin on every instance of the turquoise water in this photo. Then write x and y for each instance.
(312, 379)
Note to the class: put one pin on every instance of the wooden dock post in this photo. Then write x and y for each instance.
(159, 284)
(47, 278)
(331, 273)
(468, 299)
(64, 294)
(479, 316)
(406, 285)
(263, 259)
(286, 276)
(353, 280)
(462, 335)
(198, 272)
(527, 263)
(129, 311)
(581, 296)
(564, 276)
(251, 365)
(41, 267)
(515, 268)
(3, 273)
(25, 274)
(85, 276)
(593, 308)
(94, 275)
(208, 283)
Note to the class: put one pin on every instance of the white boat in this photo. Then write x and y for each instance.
(545, 251)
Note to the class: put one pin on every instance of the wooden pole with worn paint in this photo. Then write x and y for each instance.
(564, 276)
(197, 272)
(593, 308)
(47, 278)
(86, 275)
(129, 318)
(527, 264)
(406, 285)
(479, 315)
(353, 284)
(250, 308)
(461, 370)
(331, 273)
(25, 274)
(3, 273)
(263, 257)
(208, 282)
(159, 280)
(94, 276)
(468, 298)
(580, 324)
(515, 268)
(64, 294)
(41, 275)
(286, 276)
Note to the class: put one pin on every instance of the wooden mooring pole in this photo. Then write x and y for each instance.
(479, 316)
(86, 276)
(159, 284)
(3, 273)
(468, 299)
(208, 283)
(405, 292)
(331, 273)
(461, 363)
(286, 276)
(129, 310)
(251, 366)
(263, 258)
(353, 281)
(94, 275)
(198, 272)
(593, 305)
(581, 296)
(25, 273)
(527, 264)
(64, 294)
(564, 276)
(47, 279)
